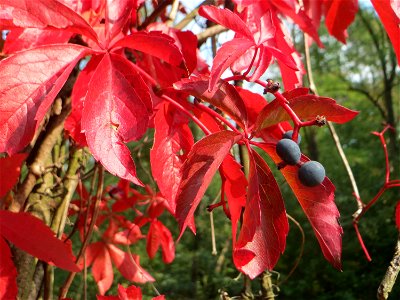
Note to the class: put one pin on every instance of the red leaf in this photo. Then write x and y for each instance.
(102, 267)
(226, 18)
(172, 135)
(161, 297)
(73, 123)
(32, 80)
(128, 236)
(153, 43)
(128, 265)
(31, 235)
(234, 185)
(113, 114)
(159, 235)
(254, 103)
(390, 17)
(10, 169)
(307, 107)
(265, 224)
(340, 14)
(19, 39)
(117, 14)
(225, 97)
(227, 54)
(130, 293)
(43, 14)
(397, 215)
(319, 206)
(293, 10)
(8, 273)
(198, 170)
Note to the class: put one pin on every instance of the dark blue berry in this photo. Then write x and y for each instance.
(312, 173)
(288, 151)
(289, 134)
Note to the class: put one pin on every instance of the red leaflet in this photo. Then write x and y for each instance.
(265, 225)
(254, 103)
(8, 273)
(397, 215)
(234, 185)
(390, 17)
(130, 293)
(19, 39)
(319, 206)
(153, 43)
(225, 97)
(340, 14)
(31, 235)
(10, 169)
(227, 54)
(198, 170)
(159, 235)
(128, 265)
(226, 18)
(32, 80)
(43, 14)
(113, 114)
(307, 107)
(117, 14)
(97, 254)
(172, 135)
(73, 122)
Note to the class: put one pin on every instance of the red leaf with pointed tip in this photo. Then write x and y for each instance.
(293, 10)
(73, 123)
(10, 169)
(19, 39)
(319, 206)
(43, 14)
(390, 17)
(198, 170)
(265, 225)
(159, 235)
(307, 107)
(31, 235)
(225, 97)
(153, 43)
(340, 14)
(113, 114)
(128, 265)
(130, 293)
(227, 54)
(32, 80)
(117, 14)
(234, 185)
(8, 273)
(172, 135)
(226, 18)
(100, 259)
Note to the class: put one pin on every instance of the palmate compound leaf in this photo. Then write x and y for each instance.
(8, 273)
(262, 238)
(31, 235)
(29, 82)
(198, 170)
(172, 141)
(113, 114)
(307, 107)
(319, 206)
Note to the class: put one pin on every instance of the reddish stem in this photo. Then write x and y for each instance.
(251, 63)
(186, 112)
(216, 115)
(361, 242)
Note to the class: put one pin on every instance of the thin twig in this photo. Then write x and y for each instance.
(209, 32)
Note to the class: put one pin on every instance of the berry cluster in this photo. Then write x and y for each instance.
(311, 173)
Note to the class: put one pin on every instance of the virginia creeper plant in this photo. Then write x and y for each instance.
(81, 80)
